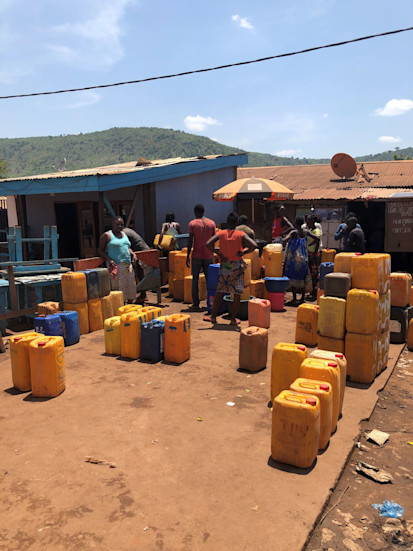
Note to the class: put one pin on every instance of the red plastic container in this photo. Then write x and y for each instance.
(277, 301)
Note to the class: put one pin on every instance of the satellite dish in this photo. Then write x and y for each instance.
(62, 164)
(343, 165)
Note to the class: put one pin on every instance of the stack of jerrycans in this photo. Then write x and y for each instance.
(181, 270)
(74, 291)
(256, 285)
(93, 300)
(368, 319)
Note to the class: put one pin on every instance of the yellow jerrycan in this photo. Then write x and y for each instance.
(362, 358)
(340, 359)
(332, 317)
(257, 288)
(256, 263)
(83, 313)
(177, 338)
(400, 285)
(151, 312)
(94, 307)
(306, 324)
(327, 255)
(74, 288)
(371, 271)
(112, 335)
(324, 393)
(362, 311)
(329, 372)
(128, 308)
(295, 431)
(384, 312)
(20, 360)
(130, 334)
(342, 262)
(106, 305)
(285, 366)
(47, 366)
(334, 345)
(117, 301)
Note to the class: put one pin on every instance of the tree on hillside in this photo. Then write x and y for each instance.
(3, 169)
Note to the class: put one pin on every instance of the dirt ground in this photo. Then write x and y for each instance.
(184, 470)
(349, 521)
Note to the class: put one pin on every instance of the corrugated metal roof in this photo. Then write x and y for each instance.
(121, 168)
(351, 194)
(299, 178)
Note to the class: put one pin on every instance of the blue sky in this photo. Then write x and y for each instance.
(356, 98)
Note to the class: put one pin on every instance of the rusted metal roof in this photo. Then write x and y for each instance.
(351, 194)
(316, 180)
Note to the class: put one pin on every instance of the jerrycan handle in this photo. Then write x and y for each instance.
(292, 398)
(308, 385)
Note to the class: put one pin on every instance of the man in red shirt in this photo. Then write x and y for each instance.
(200, 230)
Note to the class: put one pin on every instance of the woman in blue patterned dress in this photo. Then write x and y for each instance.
(296, 259)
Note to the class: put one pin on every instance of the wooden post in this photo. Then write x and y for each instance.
(12, 288)
(132, 209)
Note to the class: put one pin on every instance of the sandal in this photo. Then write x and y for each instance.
(209, 318)
(236, 321)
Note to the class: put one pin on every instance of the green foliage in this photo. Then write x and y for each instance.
(42, 155)
(3, 169)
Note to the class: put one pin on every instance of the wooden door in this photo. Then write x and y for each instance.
(87, 229)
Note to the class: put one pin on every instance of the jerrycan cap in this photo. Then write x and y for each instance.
(311, 401)
(373, 291)
(301, 348)
(316, 306)
(42, 343)
(357, 254)
(324, 387)
(340, 356)
(16, 339)
(332, 364)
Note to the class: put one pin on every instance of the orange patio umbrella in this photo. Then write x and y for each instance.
(253, 188)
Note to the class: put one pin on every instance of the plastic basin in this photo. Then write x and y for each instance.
(243, 309)
(276, 284)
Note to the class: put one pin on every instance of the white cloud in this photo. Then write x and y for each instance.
(389, 139)
(198, 123)
(288, 152)
(242, 22)
(96, 40)
(82, 99)
(395, 107)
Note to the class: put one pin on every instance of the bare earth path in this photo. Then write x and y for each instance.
(191, 472)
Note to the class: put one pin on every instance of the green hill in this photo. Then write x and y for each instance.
(41, 155)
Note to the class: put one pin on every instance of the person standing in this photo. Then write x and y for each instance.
(356, 242)
(314, 254)
(138, 244)
(343, 232)
(280, 225)
(115, 248)
(170, 227)
(243, 226)
(296, 259)
(200, 230)
(233, 244)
